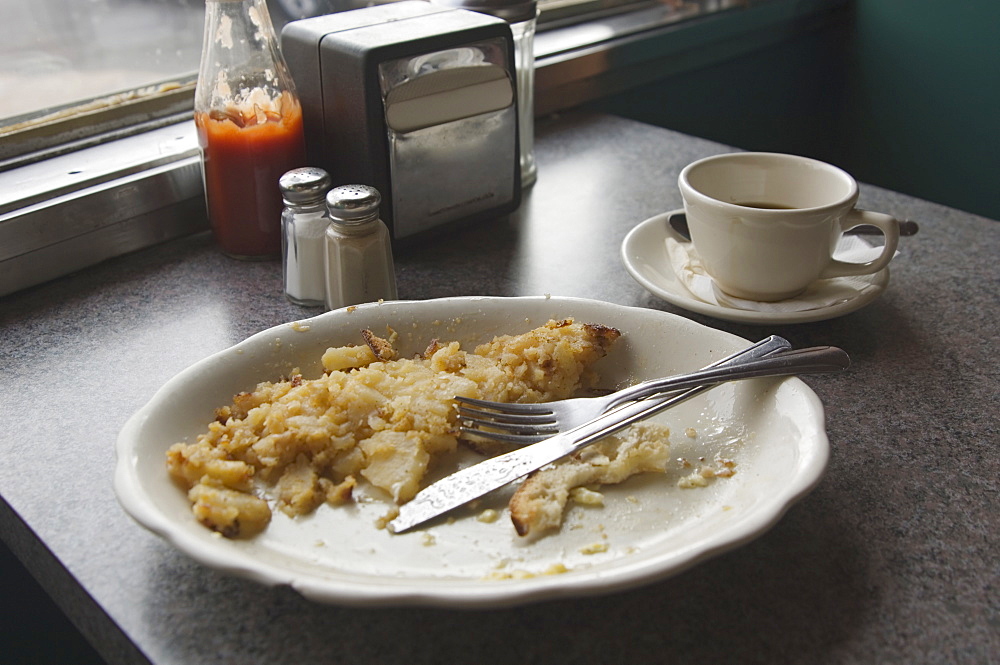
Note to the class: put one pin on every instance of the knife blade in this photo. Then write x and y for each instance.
(479, 479)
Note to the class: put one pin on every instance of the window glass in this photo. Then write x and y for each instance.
(79, 70)
(62, 52)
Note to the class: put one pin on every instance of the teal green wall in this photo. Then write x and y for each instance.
(924, 98)
(903, 94)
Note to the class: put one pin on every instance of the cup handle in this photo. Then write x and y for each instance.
(890, 229)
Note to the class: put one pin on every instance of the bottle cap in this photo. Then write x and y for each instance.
(353, 204)
(305, 185)
(512, 11)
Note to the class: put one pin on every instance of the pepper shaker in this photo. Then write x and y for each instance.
(303, 234)
(359, 265)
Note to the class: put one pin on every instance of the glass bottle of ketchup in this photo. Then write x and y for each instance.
(249, 122)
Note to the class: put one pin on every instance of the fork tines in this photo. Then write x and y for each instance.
(501, 408)
(531, 423)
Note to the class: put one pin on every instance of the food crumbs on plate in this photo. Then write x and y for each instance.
(723, 468)
(691, 433)
(488, 516)
(586, 497)
(596, 548)
(727, 507)
(631, 498)
(428, 539)
(692, 481)
(520, 574)
(352, 308)
(383, 521)
(509, 575)
(298, 326)
(320, 543)
(726, 467)
(371, 416)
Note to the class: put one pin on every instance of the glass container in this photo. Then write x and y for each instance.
(249, 124)
(303, 235)
(359, 265)
(522, 16)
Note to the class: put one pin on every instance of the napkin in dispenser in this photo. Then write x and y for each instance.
(416, 100)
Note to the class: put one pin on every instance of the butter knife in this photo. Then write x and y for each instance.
(479, 479)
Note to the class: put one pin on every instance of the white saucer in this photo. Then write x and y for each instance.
(644, 253)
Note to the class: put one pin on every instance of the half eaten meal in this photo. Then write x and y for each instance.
(376, 418)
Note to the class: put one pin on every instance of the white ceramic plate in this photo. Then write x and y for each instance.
(648, 529)
(645, 256)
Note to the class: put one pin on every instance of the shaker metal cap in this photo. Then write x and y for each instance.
(512, 11)
(353, 204)
(304, 185)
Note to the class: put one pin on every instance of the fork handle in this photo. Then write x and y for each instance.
(797, 361)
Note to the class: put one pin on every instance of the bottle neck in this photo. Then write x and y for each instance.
(241, 64)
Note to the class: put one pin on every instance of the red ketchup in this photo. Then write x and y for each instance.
(245, 153)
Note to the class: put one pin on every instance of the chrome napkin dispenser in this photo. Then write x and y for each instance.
(416, 100)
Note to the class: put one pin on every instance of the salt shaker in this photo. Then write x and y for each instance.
(359, 264)
(303, 234)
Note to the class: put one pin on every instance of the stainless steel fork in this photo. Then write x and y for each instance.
(529, 423)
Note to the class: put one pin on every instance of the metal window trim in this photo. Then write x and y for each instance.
(74, 210)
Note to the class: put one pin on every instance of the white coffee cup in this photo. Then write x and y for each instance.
(766, 224)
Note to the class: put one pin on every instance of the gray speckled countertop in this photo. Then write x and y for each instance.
(893, 558)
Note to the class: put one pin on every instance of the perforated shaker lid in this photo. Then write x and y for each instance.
(304, 185)
(512, 11)
(353, 204)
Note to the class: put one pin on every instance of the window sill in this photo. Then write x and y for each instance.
(72, 211)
